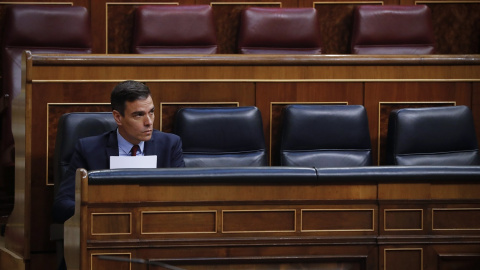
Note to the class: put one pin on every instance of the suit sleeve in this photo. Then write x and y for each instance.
(64, 202)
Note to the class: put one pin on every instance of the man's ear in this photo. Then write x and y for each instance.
(117, 116)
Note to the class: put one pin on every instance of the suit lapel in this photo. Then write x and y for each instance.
(112, 146)
(149, 149)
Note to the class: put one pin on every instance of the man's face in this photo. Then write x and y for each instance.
(137, 123)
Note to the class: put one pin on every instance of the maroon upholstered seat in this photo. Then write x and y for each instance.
(174, 29)
(39, 29)
(392, 30)
(279, 31)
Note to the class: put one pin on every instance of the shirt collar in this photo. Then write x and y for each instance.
(124, 146)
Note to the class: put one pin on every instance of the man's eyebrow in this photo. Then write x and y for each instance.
(138, 113)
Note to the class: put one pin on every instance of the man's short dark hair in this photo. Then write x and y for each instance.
(127, 91)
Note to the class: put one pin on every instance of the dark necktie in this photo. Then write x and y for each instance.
(134, 150)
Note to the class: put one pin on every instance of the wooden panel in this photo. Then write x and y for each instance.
(459, 261)
(258, 221)
(111, 223)
(403, 219)
(338, 220)
(456, 219)
(97, 262)
(455, 26)
(171, 222)
(403, 258)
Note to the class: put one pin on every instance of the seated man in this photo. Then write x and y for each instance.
(133, 111)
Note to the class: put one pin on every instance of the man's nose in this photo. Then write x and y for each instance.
(148, 120)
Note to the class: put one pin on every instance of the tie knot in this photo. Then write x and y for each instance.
(134, 150)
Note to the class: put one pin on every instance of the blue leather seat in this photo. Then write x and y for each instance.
(71, 128)
(325, 136)
(221, 137)
(443, 136)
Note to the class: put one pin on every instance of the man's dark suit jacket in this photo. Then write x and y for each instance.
(93, 153)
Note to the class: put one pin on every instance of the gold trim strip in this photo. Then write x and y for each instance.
(263, 210)
(348, 3)
(350, 230)
(168, 212)
(400, 210)
(453, 209)
(246, 3)
(36, 3)
(261, 80)
(110, 253)
(288, 103)
(447, 2)
(401, 249)
(380, 103)
(111, 213)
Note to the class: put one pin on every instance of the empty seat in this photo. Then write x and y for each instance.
(279, 31)
(71, 128)
(40, 29)
(432, 136)
(392, 30)
(325, 136)
(174, 30)
(221, 137)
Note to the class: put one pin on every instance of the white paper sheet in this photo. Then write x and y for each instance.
(136, 162)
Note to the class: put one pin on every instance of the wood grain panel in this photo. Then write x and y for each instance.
(111, 223)
(456, 219)
(338, 220)
(455, 26)
(171, 222)
(403, 219)
(97, 262)
(403, 258)
(258, 221)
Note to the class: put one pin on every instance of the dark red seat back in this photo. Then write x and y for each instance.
(392, 30)
(174, 30)
(279, 31)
